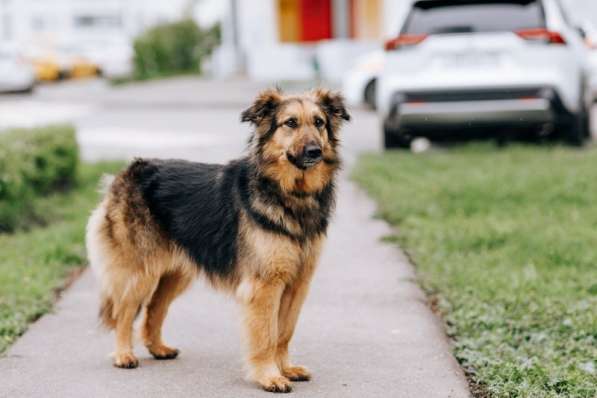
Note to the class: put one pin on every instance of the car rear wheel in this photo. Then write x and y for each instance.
(579, 130)
(395, 139)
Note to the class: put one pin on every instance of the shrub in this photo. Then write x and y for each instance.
(33, 162)
(172, 48)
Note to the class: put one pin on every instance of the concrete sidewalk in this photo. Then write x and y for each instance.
(365, 332)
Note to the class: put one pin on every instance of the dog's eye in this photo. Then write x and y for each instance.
(319, 122)
(291, 123)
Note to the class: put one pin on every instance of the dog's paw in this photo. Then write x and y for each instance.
(277, 384)
(297, 373)
(163, 352)
(126, 361)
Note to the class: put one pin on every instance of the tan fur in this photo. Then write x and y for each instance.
(285, 140)
(141, 270)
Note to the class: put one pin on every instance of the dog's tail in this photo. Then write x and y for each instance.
(105, 183)
(106, 312)
(97, 261)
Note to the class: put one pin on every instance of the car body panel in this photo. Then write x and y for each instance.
(444, 114)
(367, 69)
(46, 69)
(15, 73)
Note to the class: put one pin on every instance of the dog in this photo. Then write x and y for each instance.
(253, 227)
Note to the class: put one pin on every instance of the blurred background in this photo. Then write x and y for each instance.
(503, 236)
(339, 43)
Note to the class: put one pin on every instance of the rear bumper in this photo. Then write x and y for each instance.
(17, 83)
(438, 112)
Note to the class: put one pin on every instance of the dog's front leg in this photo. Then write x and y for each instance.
(261, 328)
(290, 307)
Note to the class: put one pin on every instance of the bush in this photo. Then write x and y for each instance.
(173, 48)
(33, 162)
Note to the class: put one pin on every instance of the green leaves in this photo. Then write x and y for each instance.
(33, 162)
(174, 48)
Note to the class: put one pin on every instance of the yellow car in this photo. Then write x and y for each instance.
(73, 62)
(63, 63)
(46, 69)
(81, 68)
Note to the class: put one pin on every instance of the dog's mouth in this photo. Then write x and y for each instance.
(303, 163)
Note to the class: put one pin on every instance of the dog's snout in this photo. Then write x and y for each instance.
(313, 152)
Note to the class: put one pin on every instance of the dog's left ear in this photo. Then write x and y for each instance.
(263, 108)
(333, 105)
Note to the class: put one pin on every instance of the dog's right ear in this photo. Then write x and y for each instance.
(263, 108)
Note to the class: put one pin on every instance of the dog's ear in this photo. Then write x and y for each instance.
(332, 104)
(263, 108)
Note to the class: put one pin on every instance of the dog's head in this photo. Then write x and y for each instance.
(301, 131)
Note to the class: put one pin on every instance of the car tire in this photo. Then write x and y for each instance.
(371, 93)
(28, 90)
(579, 130)
(394, 139)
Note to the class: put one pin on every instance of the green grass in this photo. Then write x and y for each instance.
(506, 242)
(35, 263)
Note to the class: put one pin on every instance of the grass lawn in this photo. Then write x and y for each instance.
(35, 264)
(505, 242)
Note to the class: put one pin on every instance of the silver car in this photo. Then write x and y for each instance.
(16, 74)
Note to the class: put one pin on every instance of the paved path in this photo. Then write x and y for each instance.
(365, 330)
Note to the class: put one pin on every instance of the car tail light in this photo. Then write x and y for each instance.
(404, 41)
(542, 35)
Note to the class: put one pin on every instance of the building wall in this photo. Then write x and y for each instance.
(366, 19)
(316, 20)
(272, 41)
(289, 27)
(257, 23)
(59, 21)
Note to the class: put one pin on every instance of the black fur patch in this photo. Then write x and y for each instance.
(247, 195)
(313, 220)
(194, 204)
(198, 206)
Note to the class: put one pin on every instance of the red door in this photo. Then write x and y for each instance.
(316, 19)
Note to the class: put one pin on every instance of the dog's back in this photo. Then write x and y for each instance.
(195, 205)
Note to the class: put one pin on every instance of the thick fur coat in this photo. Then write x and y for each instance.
(253, 227)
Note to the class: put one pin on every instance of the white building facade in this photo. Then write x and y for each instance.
(48, 22)
(284, 40)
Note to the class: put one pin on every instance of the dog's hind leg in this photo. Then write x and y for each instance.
(261, 328)
(124, 357)
(135, 291)
(170, 286)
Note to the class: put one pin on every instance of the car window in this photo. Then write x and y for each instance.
(462, 16)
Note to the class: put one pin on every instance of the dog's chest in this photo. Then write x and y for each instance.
(273, 254)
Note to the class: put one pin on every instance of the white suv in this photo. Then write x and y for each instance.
(499, 67)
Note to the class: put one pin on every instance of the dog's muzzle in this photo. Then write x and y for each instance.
(311, 156)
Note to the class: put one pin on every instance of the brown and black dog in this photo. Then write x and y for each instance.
(253, 227)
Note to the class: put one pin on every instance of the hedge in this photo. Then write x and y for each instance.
(33, 162)
(172, 48)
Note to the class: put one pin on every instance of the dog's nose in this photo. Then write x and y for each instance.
(313, 152)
